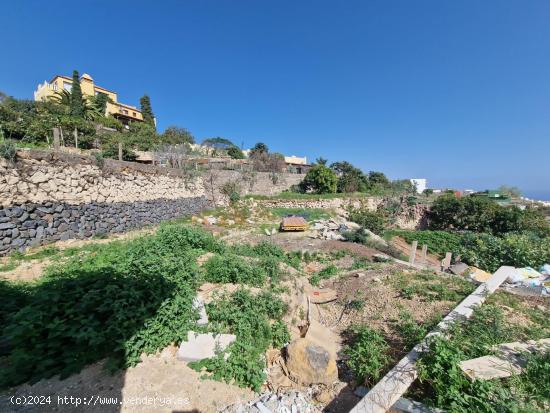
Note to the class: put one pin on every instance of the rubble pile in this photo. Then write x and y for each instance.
(529, 279)
(332, 229)
(284, 402)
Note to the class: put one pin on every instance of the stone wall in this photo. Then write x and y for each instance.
(30, 224)
(259, 183)
(414, 218)
(47, 196)
(42, 176)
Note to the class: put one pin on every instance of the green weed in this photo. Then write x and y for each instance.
(367, 354)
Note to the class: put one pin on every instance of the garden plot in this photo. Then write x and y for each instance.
(133, 300)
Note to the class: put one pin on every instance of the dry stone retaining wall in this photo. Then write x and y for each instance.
(29, 224)
(415, 219)
(47, 196)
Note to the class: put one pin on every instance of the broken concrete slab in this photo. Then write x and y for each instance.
(459, 268)
(322, 295)
(488, 367)
(509, 360)
(198, 305)
(381, 258)
(402, 405)
(202, 346)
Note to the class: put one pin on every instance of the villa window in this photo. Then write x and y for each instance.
(67, 86)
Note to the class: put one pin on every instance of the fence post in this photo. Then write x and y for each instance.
(56, 139)
(120, 151)
(412, 256)
(447, 261)
(424, 254)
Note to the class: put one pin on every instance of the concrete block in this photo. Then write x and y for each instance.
(203, 346)
(198, 305)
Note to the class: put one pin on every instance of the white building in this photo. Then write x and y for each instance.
(420, 184)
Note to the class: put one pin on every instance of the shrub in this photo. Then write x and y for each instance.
(232, 190)
(374, 221)
(8, 150)
(484, 215)
(113, 301)
(319, 179)
(230, 268)
(367, 354)
(248, 317)
(489, 252)
(438, 242)
(99, 159)
(324, 274)
(117, 315)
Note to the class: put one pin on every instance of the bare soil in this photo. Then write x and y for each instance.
(176, 387)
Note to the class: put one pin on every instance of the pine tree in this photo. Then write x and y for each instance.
(146, 110)
(77, 104)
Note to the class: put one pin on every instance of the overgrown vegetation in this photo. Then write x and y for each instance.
(367, 354)
(253, 320)
(124, 299)
(479, 214)
(309, 214)
(444, 385)
(485, 251)
(324, 274)
(431, 287)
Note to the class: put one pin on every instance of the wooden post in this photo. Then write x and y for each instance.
(424, 254)
(446, 261)
(412, 256)
(56, 139)
(120, 151)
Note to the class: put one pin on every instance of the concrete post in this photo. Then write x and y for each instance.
(412, 256)
(56, 138)
(446, 261)
(424, 254)
(120, 151)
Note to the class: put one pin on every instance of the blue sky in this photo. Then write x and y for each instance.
(454, 91)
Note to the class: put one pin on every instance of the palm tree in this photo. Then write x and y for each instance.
(91, 111)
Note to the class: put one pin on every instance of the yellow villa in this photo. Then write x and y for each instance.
(121, 111)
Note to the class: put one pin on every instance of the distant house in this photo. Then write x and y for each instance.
(496, 196)
(124, 113)
(420, 184)
(297, 164)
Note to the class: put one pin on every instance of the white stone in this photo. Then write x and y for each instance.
(39, 177)
(202, 346)
(198, 305)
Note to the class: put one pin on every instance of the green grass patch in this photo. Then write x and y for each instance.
(326, 273)
(445, 386)
(431, 287)
(309, 214)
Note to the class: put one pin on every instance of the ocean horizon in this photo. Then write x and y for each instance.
(539, 195)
